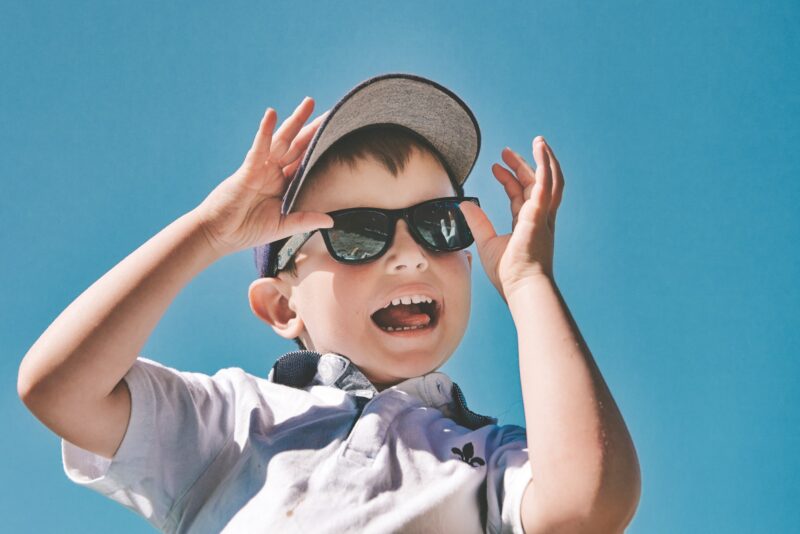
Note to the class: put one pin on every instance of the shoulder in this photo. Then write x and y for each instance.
(228, 383)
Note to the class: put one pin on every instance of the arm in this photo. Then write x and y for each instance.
(71, 378)
(585, 470)
(585, 473)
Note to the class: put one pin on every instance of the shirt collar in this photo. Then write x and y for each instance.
(304, 368)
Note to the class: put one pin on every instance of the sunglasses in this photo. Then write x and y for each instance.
(360, 235)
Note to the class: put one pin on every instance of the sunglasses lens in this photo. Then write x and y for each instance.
(358, 235)
(441, 224)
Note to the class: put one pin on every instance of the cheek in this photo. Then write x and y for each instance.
(457, 275)
(335, 297)
(459, 271)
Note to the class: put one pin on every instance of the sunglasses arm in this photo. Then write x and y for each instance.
(290, 248)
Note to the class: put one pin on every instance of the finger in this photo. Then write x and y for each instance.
(479, 224)
(511, 185)
(523, 233)
(525, 174)
(558, 185)
(288, 130)
(290, 169)
(302, 221)
(544, 180)
(263, 139)
(302, 140)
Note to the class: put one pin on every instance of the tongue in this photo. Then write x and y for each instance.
(402, 315)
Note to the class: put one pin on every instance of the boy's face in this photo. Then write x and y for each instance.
(330, 304)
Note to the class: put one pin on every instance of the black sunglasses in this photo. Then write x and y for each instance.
(360, 235)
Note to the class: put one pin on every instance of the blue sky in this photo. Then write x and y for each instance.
(676, 124)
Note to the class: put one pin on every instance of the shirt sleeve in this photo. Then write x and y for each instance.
(507, 476)
(178, 424)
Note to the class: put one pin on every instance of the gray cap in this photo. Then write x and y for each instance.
(422, 105)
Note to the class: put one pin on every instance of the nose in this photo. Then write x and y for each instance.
(405, 253)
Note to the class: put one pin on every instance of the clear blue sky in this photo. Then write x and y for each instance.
(677, 125)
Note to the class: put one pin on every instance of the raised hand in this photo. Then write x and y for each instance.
(245, 209)
(512, 259)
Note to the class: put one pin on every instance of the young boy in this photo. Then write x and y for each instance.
(366, 267)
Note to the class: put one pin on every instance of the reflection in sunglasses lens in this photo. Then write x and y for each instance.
(442, 225)
(358, 235)
(362, 234)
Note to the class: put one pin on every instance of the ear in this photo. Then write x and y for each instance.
(270, 302)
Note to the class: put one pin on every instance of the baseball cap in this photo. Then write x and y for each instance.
(422, 105)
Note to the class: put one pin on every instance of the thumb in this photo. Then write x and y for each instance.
(478, 222)
(302, 221)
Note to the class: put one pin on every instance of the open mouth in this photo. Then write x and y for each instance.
(404, 315)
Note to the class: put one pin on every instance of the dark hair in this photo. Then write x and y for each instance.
(389, 144)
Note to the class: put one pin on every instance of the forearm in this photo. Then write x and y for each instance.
(581, 452)
(96, 339)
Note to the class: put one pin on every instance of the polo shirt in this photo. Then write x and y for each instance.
(313, 447)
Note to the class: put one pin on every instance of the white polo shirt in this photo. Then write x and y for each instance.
(314, 447)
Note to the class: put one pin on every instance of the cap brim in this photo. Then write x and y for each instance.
(420, 104)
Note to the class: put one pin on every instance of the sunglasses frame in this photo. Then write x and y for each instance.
(293, 243)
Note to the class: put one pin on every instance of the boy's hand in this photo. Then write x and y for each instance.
(245, 209)
(512, 259)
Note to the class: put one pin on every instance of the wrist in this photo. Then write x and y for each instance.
(210, 250)
(521, 292)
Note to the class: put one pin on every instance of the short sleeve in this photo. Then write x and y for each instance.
(179, 422)
(508, 474)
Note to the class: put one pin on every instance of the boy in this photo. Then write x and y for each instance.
(367, 269)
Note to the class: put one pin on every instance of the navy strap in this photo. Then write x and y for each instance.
(297, 369)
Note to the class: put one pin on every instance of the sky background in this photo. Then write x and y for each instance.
(676, 124)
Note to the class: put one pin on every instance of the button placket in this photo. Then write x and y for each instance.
(368, 434)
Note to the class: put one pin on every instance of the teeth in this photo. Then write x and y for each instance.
(399, 328)
(416, 299)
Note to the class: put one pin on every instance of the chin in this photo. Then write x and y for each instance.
(411, 364)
